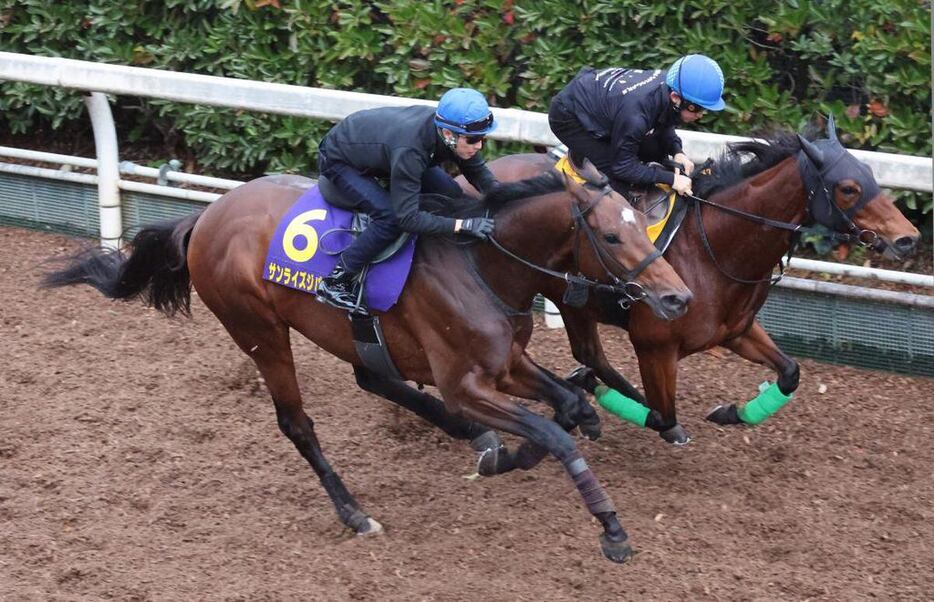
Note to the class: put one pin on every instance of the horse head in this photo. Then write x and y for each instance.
(843, 195)
(620, 251)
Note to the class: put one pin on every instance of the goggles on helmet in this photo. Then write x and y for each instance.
(474, 126)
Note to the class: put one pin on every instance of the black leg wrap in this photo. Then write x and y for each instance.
(595, 497)
(725, 415)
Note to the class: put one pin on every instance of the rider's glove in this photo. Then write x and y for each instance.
(479, 227)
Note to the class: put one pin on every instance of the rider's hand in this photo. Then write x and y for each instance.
(685, 162)
(479, 227)
(682, 184)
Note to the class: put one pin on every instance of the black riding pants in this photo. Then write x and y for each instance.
(582, 144)
(371, 198)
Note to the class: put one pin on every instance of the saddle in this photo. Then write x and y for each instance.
(664, 210)
(366, 329)
(361, 220)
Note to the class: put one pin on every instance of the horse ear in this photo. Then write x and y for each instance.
(831, 128)
(577, 191)
(813, 153)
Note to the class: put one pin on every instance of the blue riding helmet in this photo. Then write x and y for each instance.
(464, 111)
(697, 79)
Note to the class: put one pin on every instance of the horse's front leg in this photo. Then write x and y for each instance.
(659, 368)
(757, 346)
(531, 381)
(618, 396)
(474, 395)
(588, 349)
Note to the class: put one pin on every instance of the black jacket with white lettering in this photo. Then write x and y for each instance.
(401, 143)
(625, 105)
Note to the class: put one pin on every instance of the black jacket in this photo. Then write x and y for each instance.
(401, 143)
(626, 106)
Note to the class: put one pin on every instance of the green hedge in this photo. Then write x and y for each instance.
(867, 61)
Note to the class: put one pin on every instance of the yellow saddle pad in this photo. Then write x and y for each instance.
(653, 230)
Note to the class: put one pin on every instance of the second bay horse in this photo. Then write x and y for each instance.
(727, 260)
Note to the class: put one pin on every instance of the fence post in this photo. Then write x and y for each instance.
(108, 169)
(552, 316)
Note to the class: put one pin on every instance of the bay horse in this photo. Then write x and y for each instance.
(461, 324)
(726, 253)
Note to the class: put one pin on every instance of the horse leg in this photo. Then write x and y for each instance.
(494, 457)
(567, 399)
(757, 346)
(659, 368)
(271, 350)
(477, 399)
(588, 350)
(622, 399)
(530, 381)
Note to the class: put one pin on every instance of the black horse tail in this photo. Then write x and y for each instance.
(155, 269)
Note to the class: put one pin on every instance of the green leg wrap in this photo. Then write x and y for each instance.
(615, 402)
(765, 404)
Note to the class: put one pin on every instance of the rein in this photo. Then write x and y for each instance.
(634, 294)
(855, 235)
(795, 230)
(579, 285)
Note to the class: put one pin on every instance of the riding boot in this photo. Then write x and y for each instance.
(340, 288)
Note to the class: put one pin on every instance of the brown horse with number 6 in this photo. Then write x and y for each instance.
(461, 323)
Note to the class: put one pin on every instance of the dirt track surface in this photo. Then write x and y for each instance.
(140, 460)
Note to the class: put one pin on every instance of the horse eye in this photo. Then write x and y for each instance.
(849, 190)
(611, 238)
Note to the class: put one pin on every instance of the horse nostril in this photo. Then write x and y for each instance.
(676, 304)
(905, 244)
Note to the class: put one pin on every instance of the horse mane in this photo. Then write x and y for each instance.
(733, 166)
(501, 197)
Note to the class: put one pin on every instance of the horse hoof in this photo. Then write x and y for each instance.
(724, 415)
(590, 430)
(676, 435)
(583, 377)
(617, 551)
(370, 527)
(494, 461)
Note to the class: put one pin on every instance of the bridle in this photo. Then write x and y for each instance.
(579, 285)
(821, 207)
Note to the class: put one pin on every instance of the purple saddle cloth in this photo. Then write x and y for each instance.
(308, 242)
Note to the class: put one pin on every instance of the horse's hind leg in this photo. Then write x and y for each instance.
(757, 346)
(479, 401)
(494, 457)
(271, 350)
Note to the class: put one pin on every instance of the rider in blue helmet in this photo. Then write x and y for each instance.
(624, 119)
(405, 146)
